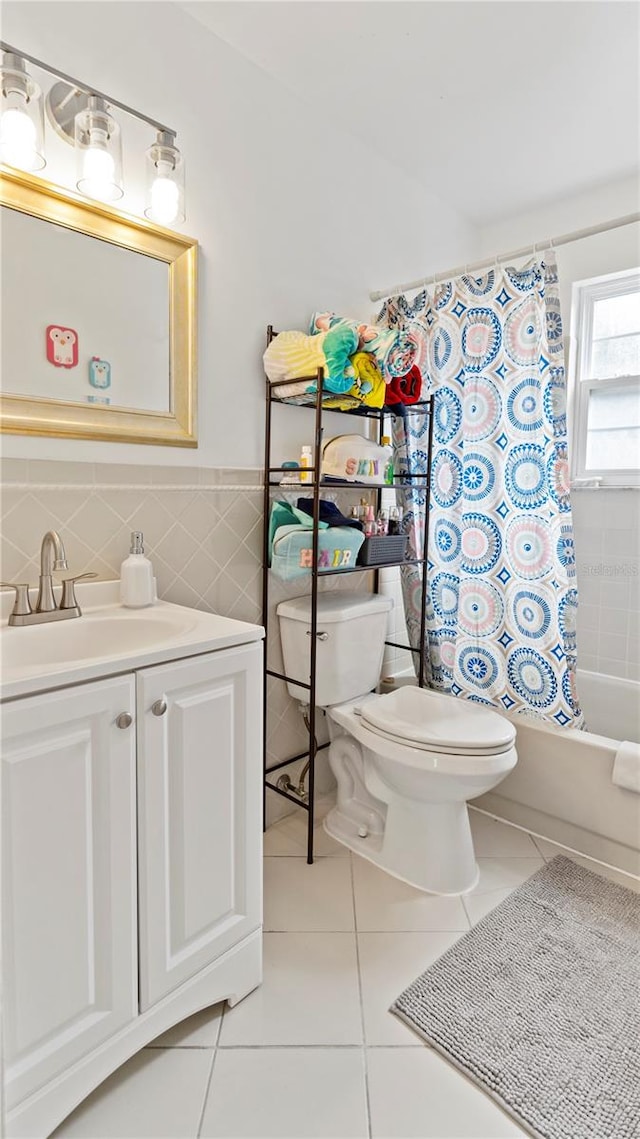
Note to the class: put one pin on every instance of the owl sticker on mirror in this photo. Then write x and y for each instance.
(62, 346)
(99, 373)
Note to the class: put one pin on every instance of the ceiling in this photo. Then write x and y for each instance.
(496, 106)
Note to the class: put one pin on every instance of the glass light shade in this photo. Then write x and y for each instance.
(99, 153)
(165, 182)
(21, 118)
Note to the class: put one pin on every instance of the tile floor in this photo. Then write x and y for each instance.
(314, 1051)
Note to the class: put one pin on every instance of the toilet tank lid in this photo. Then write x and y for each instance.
(335, 605)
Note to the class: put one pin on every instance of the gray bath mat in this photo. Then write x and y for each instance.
(540, 1005)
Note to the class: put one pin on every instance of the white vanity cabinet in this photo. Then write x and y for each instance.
(199, 838)
(69, 877)
(131, 868)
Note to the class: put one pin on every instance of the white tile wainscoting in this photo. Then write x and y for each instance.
(606, 524)
(314, 1051)
(203, 533)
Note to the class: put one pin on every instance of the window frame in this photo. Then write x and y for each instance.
(586, 294)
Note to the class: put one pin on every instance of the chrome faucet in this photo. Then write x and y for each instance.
(52, 559)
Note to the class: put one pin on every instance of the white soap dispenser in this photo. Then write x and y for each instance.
(137, 587)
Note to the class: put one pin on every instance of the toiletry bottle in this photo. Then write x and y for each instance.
(394, 520)
(362, 510)
(306, 461)
(137, 587)
(388, 461)
(382, 522)
(369, 523)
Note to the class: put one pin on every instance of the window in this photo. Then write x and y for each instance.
(606, 404)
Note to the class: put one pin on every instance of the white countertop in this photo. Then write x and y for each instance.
(37, 658)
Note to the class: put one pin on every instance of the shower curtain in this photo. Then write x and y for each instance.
(501, 594)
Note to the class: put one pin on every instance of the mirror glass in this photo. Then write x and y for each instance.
(83, 320)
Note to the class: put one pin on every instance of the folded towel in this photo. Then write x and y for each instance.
(626, 766)
(394, 350)
(405, 389)
(293, 354)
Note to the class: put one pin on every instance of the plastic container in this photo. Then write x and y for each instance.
(383, 549)
(137, 586)
(306, 461)
(388, 460)
(394, 521)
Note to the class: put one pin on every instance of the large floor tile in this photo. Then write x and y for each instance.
(197, 1031)
(309, 994)
(415, 1094)
(287, 1093)
(309, 898)
(549, 850)
(504, 873)
(493, 839)
(388, 963)
(289, 837)
(499, 877)
(159, 1094)
(386, 903)
(479, 905)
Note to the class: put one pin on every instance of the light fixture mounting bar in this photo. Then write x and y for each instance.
(87, 88)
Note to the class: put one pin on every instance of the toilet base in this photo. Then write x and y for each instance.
(426, 845)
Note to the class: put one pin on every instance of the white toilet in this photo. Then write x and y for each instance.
(405, 763)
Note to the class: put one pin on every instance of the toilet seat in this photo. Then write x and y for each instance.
(429, 721)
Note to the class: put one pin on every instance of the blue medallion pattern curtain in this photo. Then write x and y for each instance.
(502, 598)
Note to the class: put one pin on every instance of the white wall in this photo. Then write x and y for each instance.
(291, 214)
(606, 520)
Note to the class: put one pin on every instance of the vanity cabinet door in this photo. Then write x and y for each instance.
(69, 877)
(199, 813)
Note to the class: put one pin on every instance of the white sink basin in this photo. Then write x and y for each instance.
(90, 636)
(107, 639)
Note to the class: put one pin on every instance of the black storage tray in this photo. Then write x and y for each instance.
(382, 549)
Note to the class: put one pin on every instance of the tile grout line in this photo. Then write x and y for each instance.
(533, 835)
(466, 913)
(365, 1061)
(150, 487)
(205, 1098)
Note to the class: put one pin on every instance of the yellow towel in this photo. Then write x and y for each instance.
(369, 384)
(293, 354)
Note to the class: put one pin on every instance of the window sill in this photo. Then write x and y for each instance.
(588, 484)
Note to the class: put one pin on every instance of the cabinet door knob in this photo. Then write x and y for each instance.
(124, 720)
(159, 708)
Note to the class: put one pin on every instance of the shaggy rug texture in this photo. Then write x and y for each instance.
(540, 1005)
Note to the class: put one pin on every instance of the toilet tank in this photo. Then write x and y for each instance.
(352, 628)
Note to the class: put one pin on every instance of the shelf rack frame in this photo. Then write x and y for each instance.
(316, 486)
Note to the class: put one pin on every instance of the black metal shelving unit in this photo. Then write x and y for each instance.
(316, 486)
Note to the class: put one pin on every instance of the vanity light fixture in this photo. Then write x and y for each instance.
(99, 152)
(83, 116)
(21, 119)
(165, 181)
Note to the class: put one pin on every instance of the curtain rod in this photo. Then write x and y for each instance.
(513, 254)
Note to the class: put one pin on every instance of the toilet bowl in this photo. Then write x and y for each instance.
(405, 763)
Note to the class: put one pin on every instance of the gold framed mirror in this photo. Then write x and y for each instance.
(98, 312)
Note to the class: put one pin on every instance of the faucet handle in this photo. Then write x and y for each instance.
(21, 605)
(68, 600)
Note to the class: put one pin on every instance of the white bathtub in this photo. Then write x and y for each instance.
(561, 787)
